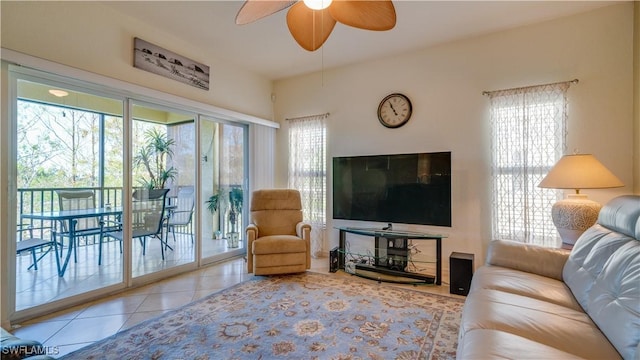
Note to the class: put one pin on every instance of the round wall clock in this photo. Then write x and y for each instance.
(394, 110)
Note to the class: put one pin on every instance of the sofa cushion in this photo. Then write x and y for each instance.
(552, 325)
(621, 215)
(614, 299)
(525, 284)
(276, 222)
(279, 244)
(485, 344)
(530, 258)
(277, 260)
(588, 257)
(603, 272)
(276, 199)
(276, 211)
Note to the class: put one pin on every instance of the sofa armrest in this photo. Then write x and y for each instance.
(252, 235)
(252, 232)
(303, 230)
(529, 258)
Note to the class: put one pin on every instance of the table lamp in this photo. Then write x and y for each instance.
(574, 215)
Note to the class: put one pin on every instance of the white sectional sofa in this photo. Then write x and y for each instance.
(530, 302)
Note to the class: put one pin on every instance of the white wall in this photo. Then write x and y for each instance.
(445, 84)
(96, 38)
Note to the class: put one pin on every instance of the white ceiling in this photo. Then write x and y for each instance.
(267, 48)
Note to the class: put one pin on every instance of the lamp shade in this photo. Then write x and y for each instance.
(580, 171)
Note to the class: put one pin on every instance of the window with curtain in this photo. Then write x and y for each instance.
(528, 131)
(307, 171)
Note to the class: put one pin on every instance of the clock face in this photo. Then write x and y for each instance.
(394, 110)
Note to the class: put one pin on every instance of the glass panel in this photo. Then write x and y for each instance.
(222, 180)
(163, 180)
(69, 156)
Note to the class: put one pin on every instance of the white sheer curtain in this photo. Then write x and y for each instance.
(528, 130)
(307, 172)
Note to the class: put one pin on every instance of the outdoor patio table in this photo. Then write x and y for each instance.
(71, 216)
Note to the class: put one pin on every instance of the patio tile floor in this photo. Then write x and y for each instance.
(38, 287)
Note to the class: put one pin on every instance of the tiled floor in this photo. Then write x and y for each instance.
(80, 326)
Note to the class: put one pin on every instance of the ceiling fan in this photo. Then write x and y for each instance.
(311, 21)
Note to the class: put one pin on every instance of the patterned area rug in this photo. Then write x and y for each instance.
(305, 316)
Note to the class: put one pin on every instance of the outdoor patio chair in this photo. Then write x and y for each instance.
(79, 200)
(182, 214)
(148, 219)
(26, 241)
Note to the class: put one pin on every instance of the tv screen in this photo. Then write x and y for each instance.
(404, 188)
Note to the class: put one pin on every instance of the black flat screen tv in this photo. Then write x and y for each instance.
(400, 188)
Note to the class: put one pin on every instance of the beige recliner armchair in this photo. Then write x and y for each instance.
(278, 242)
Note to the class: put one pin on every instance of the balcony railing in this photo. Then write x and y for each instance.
(34, 200)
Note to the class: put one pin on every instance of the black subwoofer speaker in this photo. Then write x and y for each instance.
(333, 260)
(460, 273)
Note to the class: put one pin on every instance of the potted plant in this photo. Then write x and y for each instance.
(213, 204)
(153, 157)
(235, 207)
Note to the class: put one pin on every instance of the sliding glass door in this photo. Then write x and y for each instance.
(163, 197)
(112, 191)
(69, 146)
(223, 186)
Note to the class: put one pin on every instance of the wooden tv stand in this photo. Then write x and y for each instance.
(391, 254)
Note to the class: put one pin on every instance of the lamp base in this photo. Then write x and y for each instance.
(572, 216)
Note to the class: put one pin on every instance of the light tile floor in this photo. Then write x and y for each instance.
(65, 331)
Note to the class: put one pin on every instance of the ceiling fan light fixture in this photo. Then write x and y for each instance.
(317, 4)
